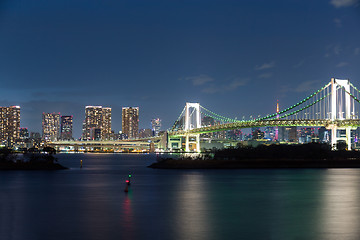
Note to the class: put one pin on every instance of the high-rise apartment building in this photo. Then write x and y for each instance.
(92, 121)
(292, 134)
(130, 122)
(106, 124)
(156, 126)
(306, 134)
(23, 141)
(24, 134)
(66, 128)
(50, 126)
(324, 134)
(97, 124)
(9, 125)
(235, 134)
(257, 134)
(35, 139)
(270, 133)
(145, 133)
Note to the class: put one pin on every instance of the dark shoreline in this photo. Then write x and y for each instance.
(311, 155)
(29, 160)
(255, 164)
(10, 166)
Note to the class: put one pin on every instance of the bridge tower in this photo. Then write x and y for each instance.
(192, 120)
(339, 112)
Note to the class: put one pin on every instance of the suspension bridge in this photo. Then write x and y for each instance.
(335, 106)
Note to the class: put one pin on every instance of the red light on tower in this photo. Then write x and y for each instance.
(278, 116)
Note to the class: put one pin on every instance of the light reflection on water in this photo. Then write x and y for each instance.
(192, 210)
(128, 221)
(90, 203)
(340, 215)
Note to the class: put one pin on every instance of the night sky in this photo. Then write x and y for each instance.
(237, 58)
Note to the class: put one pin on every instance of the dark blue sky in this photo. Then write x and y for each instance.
(234, 57)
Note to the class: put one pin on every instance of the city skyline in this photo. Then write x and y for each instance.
(56, 126)
(237, 58)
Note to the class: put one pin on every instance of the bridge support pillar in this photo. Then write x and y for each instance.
(348, 138)
(335, 137)
(192, 139)
(338, 111)
(174, 143)
(187, 144)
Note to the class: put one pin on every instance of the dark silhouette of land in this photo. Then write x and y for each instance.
(312, 155)
(33, 160)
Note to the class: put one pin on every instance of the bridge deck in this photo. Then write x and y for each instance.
(272, 123)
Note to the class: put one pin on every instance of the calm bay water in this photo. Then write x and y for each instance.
(90, 203)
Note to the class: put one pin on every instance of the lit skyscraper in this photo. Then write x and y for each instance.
(24, 134)
(145, 133)
(324, 134)
(130, 122)
(66, 128)
(97, 124)
(50, 126)
(106, 124)
(270, 133)
(306, 134)
(9, 125)
(92, 121)
(156, 126)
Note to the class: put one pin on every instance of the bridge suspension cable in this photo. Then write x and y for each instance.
(178, 120)
(304, 108)
(312, 108)
(274, 115)
(217, 116)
